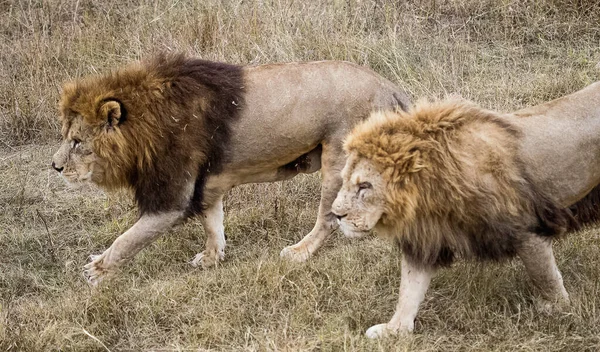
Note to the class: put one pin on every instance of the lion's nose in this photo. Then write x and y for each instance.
(59, 169)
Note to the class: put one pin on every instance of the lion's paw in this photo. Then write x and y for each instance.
(379, 331)
(549, 307)
(208, 258)
(296, 253)
(384, 330)
(94, 271)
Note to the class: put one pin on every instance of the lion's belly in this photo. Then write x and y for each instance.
(268, 171)
(250, 153)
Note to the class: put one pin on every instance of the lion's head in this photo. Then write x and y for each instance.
(377, 178)
(361, 200)
(108, 133)
(77, 158)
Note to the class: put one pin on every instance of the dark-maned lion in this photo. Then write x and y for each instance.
(450, 179)
(180, 132)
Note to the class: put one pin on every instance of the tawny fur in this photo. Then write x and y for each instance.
(455, 183)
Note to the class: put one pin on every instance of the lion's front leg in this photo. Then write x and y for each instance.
(126, 246)
(538, 258)
(212, 221)
(413, 285)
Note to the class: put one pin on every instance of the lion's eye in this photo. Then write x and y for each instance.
(364, 185)
(75, 143)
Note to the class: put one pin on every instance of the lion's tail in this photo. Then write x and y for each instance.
(586, 210)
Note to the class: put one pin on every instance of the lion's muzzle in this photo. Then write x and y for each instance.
(59, 169)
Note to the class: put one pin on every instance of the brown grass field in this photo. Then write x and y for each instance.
(504, 54)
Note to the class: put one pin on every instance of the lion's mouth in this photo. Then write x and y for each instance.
(85, 178)
(352, 230)
(75, 180)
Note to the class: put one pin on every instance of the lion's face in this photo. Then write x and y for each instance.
(360, 203)
(75, 159)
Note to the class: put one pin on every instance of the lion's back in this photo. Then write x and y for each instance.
(293, 107)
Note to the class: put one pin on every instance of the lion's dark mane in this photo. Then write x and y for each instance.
(175, 131)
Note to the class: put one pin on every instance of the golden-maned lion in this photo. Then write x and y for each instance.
(180, 132)
(450, 179)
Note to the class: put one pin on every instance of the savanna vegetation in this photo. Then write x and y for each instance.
(504, 54)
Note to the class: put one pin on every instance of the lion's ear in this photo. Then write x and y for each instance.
(112, 112)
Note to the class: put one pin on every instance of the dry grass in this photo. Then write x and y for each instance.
(504, 54)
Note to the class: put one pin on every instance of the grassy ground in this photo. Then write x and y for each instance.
(504, 54)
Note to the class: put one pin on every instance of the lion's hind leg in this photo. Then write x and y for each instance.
(332, 162)
(538, 258)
